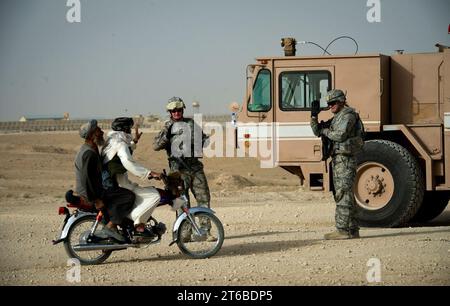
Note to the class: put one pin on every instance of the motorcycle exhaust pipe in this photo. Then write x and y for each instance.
(101, 247)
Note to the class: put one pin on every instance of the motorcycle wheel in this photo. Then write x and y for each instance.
(77, 235)
(203, 246)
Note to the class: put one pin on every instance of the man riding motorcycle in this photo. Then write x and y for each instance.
(118, 159)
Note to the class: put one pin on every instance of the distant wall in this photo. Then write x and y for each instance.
(47, 125)
(74, 125)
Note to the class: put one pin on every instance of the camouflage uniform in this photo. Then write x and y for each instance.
(190, 167)
(345, 143)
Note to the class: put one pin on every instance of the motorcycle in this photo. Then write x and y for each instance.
(197, 232)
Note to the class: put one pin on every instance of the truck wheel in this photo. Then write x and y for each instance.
(389, 185)
(434, 203)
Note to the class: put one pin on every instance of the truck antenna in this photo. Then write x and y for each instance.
(325, 51)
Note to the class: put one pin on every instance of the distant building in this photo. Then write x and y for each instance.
(39, 118)
(151, 118)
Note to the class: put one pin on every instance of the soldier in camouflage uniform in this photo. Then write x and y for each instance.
(346, 141)
(177, 138)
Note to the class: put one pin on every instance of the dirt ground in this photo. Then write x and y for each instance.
(273, 229)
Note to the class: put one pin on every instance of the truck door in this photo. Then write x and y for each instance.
(259, 105)
(295, 89)
(256, 134)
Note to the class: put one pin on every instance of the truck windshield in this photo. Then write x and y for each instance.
(299, 88)
(261, 97)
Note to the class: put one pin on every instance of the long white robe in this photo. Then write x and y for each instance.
(147, 198)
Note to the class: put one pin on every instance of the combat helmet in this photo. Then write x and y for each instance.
(335, 95)
(175, 103)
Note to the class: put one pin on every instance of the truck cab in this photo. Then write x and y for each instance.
(404, 101)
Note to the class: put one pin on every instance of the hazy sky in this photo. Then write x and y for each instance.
(129, 57)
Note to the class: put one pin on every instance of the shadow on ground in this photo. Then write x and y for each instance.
(441, 220)
(263, 247)
(239, 249)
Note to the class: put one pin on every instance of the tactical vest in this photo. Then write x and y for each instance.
(355, 142)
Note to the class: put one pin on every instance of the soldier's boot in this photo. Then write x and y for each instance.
(354, 233)
(337, 235)
(205, 224)
(186, 233)
(211, 238)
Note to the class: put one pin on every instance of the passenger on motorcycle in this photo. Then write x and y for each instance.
(118, 159)
(116, 202)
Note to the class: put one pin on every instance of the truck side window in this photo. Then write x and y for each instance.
(299, 88)
(261, 101)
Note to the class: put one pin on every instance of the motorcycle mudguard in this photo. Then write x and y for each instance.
(71, 221)
(183, 216)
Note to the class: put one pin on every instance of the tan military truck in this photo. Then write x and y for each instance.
(404, 101)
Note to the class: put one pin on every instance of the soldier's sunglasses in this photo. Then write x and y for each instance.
(332, 103)
(177, 110)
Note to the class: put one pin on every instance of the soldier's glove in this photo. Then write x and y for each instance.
(315, 108)
(324, 124)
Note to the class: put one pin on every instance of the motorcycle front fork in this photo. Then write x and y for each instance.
(185, 208)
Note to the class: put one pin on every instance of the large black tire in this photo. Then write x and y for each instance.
(382, 164)
(201, 249)
(73, 238)
(434, 203)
